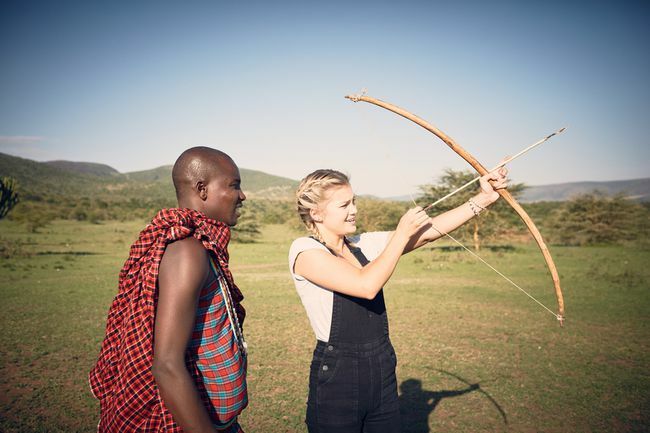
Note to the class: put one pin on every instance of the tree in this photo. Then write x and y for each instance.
(592, 219)
(378, 215)
(33, 215)
(491, 224)
(8, 195)
(247, 229)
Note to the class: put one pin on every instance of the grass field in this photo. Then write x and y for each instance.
(475, 355)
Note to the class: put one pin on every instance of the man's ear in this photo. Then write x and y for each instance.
(202, 190)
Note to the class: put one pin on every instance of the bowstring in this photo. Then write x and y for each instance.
(557, 316)
(442, 233)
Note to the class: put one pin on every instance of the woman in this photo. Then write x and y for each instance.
(352, 383)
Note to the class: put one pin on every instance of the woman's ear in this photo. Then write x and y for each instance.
(315, 215)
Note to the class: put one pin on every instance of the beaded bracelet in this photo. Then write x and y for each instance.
(475, 207)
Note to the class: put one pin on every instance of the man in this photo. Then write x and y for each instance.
(173, 359)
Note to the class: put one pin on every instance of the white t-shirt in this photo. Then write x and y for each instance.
(317, 300)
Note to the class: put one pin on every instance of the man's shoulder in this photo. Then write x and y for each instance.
(184, 264)
(188, 244)
(188, 251)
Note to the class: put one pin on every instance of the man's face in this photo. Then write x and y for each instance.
(224, 196)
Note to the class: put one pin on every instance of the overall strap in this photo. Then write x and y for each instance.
(357, 320)
(358, 254)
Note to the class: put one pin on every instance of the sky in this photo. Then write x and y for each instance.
(133, 84)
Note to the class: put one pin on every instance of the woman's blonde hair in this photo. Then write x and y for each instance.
(311, 192)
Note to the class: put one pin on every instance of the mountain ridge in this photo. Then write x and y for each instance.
(84, 167)
(100, 180)
(633, 189)
(95, 179)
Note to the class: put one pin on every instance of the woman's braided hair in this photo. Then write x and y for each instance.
(311, 192)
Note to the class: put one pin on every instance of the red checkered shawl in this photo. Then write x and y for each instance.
(122, 379)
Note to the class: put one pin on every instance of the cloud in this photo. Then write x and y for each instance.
(20, 139)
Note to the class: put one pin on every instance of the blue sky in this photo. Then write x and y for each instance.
(133, 84)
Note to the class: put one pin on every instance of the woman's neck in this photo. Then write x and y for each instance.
(334, 242)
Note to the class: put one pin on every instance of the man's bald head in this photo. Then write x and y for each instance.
(197, 164)
(208, 180)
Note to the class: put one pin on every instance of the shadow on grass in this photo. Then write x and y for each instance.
(416, 404)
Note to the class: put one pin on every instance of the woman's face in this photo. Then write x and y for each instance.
(338, 212)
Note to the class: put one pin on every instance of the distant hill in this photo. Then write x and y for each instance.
(84, 167)
(47, 180)
(82, 179)
(34, 178)
(634, 189)
(255, 183)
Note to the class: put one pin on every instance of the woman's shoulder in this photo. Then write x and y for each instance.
(305, 240)
(298, 246)
(304, 243)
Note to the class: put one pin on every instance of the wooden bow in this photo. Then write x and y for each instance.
(482, 171)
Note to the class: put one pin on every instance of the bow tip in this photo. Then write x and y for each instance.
(560, 319)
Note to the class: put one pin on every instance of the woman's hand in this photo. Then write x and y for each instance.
(411, 222)
(340, 275)
(490, 184)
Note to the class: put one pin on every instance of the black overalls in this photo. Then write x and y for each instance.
(352, 383)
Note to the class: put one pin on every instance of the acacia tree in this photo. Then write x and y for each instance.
(247, 229)
(378, 215)
(490, 224)
(8, 195)
(596, 219)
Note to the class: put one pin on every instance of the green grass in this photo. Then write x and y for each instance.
(454, 323)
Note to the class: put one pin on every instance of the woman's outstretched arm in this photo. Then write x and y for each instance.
(341, 275)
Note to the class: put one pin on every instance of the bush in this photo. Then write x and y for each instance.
(592, 219)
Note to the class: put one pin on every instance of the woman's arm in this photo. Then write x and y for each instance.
(338, 274)
(449, 221)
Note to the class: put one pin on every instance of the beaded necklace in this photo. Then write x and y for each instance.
(232, 316)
